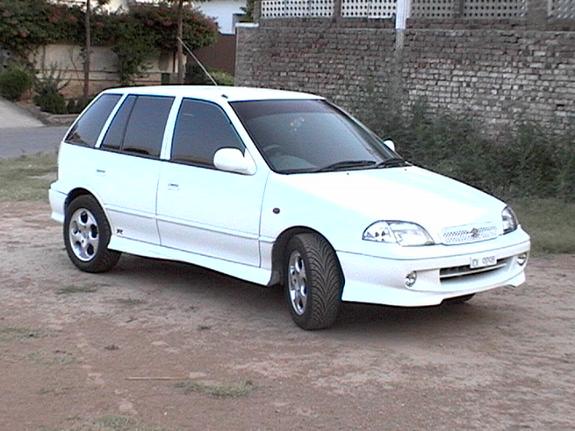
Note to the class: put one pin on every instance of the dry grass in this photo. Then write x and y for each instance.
(550, 222)
(27, 178)
(11, 333)
(217, 390)
(110, 423)
(68, 290)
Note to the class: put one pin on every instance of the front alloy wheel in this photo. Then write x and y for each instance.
(313, 281)
(297, 282)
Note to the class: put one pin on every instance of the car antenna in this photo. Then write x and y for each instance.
(198, 61)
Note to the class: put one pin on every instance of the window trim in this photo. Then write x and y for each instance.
(198, 164)
(125, 125)
(104, 126)
(111, 120)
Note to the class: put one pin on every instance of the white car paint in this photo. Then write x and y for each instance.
(229, 222)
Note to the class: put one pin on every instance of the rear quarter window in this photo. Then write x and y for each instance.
(88, 127)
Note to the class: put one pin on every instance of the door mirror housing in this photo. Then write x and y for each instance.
(233, 160)
(389, 144)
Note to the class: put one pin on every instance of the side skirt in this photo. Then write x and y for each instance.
(244, 272)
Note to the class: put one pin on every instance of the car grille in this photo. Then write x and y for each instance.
(465, 270)
(468, 233)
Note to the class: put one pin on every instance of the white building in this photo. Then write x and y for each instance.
(225, 12)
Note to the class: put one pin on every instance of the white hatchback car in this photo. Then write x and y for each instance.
(275, 187)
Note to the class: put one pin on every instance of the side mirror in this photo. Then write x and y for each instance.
(389, 144)
(232, 160)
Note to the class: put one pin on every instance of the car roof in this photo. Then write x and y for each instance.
(215, 93)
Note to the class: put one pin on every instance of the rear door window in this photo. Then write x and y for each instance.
(87, 129)
(115, 134)
(138, 126)
(202, 128)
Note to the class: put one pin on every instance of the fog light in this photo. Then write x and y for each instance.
(522, 259)
(410, 278)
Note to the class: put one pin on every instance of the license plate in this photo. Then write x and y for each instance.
(481, 261)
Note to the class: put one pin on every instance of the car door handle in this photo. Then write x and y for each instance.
(101, 171)
(173, 186)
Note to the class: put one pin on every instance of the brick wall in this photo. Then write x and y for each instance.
(498, 70)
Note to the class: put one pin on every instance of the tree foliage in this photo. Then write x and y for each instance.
(28, 24)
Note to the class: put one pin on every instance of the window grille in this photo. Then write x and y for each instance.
(432, 8)
(477, 9)
(368, 8)
(562, 9)
(296, 8)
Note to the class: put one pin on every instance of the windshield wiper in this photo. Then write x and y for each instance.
(346, 164)
(392, 163)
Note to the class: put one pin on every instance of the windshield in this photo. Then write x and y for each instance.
(311, 136)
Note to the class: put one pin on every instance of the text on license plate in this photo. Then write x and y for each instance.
(481, 261)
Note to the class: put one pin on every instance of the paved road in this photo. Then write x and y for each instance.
(16, 142)
(12, 115)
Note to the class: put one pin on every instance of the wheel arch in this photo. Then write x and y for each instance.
(80, 191)
(279, 247)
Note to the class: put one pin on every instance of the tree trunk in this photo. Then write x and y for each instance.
(180, 38)
(87, 49)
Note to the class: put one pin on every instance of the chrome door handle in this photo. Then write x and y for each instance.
(173, 186)
(101, 171)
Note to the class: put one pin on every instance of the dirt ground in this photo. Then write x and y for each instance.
(156, 345)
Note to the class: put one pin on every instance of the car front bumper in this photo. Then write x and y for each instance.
(382, 280)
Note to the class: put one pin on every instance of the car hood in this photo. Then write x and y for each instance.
(407, 193)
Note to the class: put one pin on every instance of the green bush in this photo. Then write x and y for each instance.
(77, 105)
(50, 100)
(531, 160)
(134, 47)
(14, 82)
(196, 76)
(48, 96)
(222, 78)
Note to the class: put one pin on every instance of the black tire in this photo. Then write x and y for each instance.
(460, 299)
(101, 259)
(323, 281)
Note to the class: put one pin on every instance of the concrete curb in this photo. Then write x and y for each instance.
(45, 117)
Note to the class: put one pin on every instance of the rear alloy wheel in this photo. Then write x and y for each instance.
(313, 281)
(87, 234)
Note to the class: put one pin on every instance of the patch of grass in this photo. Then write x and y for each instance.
(120, 423)
(10, 333)
(130, 302)
(110, 423)
(550, 222)
(57, 357)
(68, 290)
(27, 177)
(55, 390)
(216, 390)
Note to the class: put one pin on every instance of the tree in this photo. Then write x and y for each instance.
(87, 49)
(179, 38)
(88, 44)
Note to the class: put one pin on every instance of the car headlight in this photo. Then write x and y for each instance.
(400, 232)
(509, 220)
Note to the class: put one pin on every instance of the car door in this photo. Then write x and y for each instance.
(201, 209)
(128, 166)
